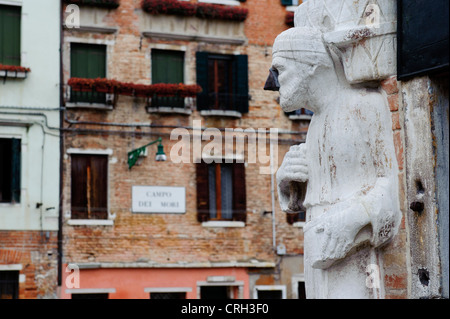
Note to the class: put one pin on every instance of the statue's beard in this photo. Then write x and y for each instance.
(293, 97)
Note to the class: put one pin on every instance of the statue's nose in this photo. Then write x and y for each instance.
(272, 83)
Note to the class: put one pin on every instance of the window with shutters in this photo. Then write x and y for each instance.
(10, 164)
(224, 81)
(221, 192)
(10, 17)
(87, 61)
(167, 67)
(89, 176)
(9, 284)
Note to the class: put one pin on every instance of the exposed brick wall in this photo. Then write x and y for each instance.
(395, 253)
(177, 238)
(38, 256)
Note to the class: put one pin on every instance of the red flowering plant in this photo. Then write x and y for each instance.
(201, 10)
(131, 89)
(188, 90)
(167, 90)
(80, 84)
(13, 68)
(142, 90)
(88, 85)
(220, 12)
(106, 86)
(110, 4)
(125, 89)
(169, 7)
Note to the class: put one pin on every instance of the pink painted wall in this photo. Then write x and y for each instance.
(131, 282)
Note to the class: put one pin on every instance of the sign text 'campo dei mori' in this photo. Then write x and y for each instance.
(159, 199)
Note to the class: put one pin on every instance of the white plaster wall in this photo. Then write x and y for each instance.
(36, 98)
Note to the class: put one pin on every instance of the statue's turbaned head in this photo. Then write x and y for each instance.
(304, 45)
(297, 53)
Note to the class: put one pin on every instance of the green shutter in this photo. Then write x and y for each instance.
(10, 17)
(202, 177)
(15, 170)
(286, 2)
(239, 193)
(240, 83)
(88, 61)
(167, 66)
(202, 80)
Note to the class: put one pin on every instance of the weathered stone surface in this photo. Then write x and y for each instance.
(348, 162)
(363, 33)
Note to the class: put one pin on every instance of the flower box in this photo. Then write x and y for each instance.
(98, 85)
(109, 4)
(13, 71)
(131, 89)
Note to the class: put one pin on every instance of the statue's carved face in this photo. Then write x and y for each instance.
(293, 77)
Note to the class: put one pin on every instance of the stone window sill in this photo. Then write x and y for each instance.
(222, 2)
(169, 110)
(300, 117)
(95, 106)
(93, 29)
(299, 224)
(221, 113)
(193, 37)
(223, 224)
(90, 222)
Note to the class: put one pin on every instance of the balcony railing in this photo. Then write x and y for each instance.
(105, 91)
(168, 101)
(87, 97)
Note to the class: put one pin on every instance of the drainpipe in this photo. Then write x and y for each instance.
(272, 191)
(61, 147)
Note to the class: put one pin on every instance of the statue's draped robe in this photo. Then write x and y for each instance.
(352, 171)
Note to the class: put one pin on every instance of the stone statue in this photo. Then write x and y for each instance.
(346, 173)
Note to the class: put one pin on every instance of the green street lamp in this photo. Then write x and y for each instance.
(133, 155)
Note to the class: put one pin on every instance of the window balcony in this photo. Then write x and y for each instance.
(161, 97)
(13, 71)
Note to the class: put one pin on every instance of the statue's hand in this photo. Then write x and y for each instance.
(293, 169)
(331, 236)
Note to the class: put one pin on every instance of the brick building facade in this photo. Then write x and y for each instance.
(222, 233)
(29, 148)
(226, 246)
